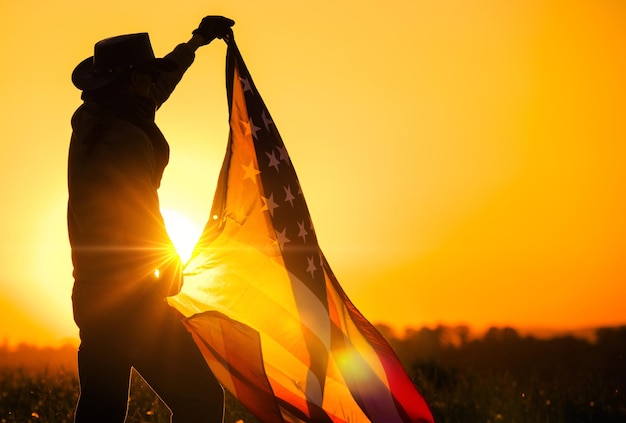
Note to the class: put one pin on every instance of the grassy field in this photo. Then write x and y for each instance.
(50, 396)
(507, 378)
(41, 385)
(499, 378)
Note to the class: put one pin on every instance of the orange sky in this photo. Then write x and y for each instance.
(463, 162)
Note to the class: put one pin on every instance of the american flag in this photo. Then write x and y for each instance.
(261, 300)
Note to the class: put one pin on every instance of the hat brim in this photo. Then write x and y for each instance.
(84, 78)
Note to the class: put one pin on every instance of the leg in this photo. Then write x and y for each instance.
(104, 382)
(173, 365)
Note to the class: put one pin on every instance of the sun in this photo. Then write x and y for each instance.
(183, 232)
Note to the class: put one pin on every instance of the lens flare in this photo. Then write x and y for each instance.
(183, 232)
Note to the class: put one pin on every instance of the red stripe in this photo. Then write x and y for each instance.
(409, 402)
(241, 356)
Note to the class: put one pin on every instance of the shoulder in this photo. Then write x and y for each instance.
(91, 123)
(102, 137)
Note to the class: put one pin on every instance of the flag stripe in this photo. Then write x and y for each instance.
(408, 403)
(248, 383)
(197, 298)
(291, 247)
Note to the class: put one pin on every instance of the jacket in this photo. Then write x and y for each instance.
(117, 234)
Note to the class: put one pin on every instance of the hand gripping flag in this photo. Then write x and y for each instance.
(261, 300)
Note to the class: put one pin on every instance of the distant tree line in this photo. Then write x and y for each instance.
(504, 350)
(566, 378)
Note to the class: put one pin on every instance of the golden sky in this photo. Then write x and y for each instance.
(463, 161)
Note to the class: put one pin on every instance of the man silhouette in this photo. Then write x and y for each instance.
(124, 262)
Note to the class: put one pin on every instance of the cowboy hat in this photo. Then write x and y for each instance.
(114, 57)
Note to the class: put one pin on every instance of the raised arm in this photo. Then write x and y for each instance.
(210, 28)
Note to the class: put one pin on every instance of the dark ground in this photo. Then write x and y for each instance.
(501, 377)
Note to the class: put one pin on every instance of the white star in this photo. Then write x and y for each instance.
(238, 215)
(274, 162)
(250, 128)
(288, 195)
(266, 121)
(246, 84)
(303, 232)
(311, 268)
(269, 204)
(281, 237)
(246, 127)
(250, 172)
(283, 153)
(274, 243)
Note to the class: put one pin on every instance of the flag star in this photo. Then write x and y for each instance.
(238, 215)
(254, 129)
(246, 127)
(266, 121)
(311, 266)
(249, 128)
(269, 204)
(250, 172)
(282, 239)
(274, 162)
(246, 84)
(283, 153)
(274, 243)
(303, 232)
(288, 195)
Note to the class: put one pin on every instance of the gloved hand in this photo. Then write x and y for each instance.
(213, 27)
(168, 280)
